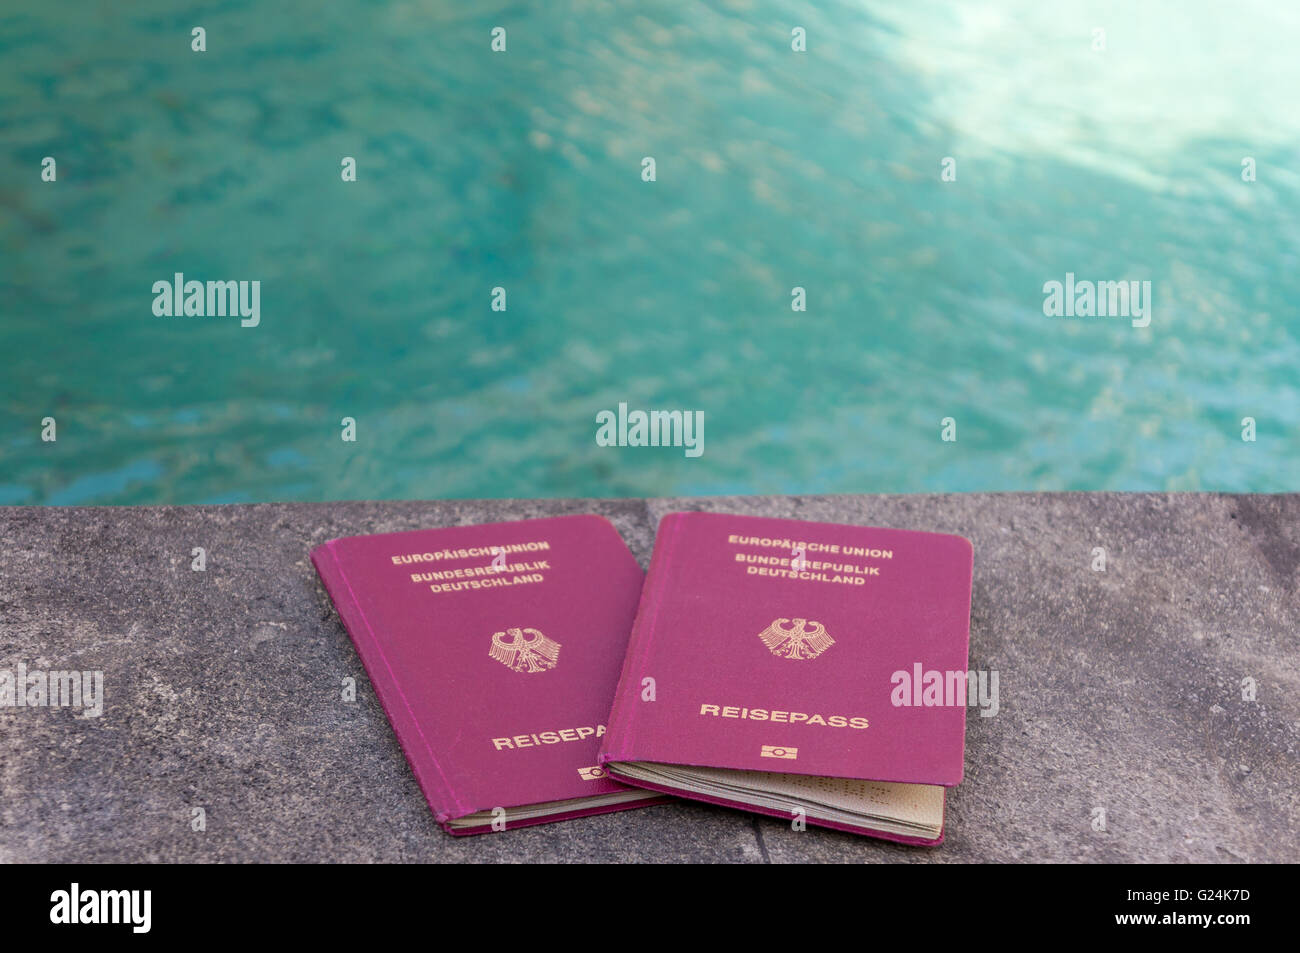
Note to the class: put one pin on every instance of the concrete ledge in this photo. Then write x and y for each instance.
(1119, 690)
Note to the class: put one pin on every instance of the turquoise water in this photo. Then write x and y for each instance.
(522, 169)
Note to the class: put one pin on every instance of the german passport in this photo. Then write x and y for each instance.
(811, 671)
(494, 650)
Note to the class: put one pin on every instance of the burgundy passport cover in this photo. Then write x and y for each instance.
(722, 623)
(497, 683)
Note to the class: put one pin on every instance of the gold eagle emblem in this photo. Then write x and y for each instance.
(796, 638)
(524, 650)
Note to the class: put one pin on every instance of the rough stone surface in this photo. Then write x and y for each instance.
(1119, 690)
